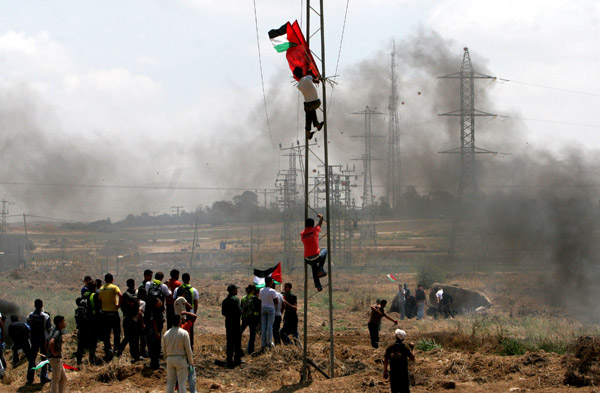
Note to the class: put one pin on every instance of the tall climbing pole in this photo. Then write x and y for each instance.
(325, 162)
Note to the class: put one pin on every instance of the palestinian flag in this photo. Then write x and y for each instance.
(274, 272)
(289, 39)
(392, 278)
(67, 367)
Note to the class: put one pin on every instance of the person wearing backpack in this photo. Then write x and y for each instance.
(132, 315)
(87, 317)
(147, 277)
(40, 325)
(173, 283)
(191, 296)
(154, 318)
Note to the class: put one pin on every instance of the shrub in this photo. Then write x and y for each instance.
(427, 344)
(512, 347)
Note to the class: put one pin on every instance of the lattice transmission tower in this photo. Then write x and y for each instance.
(393, 165)
(367, 230)
(468, 231)
(287, 200)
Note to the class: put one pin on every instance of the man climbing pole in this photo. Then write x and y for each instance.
(314, 256)
(306, 85)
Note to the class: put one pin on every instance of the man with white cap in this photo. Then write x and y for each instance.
(397, 355)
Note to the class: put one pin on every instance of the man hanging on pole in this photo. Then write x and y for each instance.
(306, 85)
(314, 256)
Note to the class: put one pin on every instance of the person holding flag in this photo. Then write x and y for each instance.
(313, 255)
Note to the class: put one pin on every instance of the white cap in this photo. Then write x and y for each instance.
(400, 334)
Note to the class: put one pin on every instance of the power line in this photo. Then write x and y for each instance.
(337, 63)
(134, 187)
(551, 121)
(550, 87)
(262, 79)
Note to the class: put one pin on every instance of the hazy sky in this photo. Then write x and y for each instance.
(165, 84)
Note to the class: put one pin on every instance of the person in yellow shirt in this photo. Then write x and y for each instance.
(110, 294)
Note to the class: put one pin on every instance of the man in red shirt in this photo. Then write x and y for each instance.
(314, 256)
(172, 283)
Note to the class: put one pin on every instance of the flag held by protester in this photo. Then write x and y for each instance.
(392, 278)
(274, 273)
(289, 39)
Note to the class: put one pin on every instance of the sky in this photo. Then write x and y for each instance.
(169, 93)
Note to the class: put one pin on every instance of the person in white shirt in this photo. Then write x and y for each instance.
(438, 297)
(277, 320)
(269, 299)
(176, 344)
(306, 85)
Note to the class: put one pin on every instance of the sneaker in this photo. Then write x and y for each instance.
(46, 380)
(309, 135)
(320, 125)
(322, 273)
(319, 289)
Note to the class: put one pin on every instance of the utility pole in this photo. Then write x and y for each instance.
(468, 222)
(26, 242)
(4, 226)
(177, 223)
(393, 165)
(288, 202)
(324, 160)
(368, 230)
(195, 237)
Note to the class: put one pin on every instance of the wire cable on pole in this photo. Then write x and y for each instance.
(550, 87)
(551, 121)
(262, 79)
(337, 63)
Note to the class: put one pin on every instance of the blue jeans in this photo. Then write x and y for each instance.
(317, 266)
(420, 310)
(267, 316)
(191, 381)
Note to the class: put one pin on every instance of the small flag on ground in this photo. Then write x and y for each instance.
(289, 39)
(274, 272)
(67, 367)
(391, 277)
(40, 365)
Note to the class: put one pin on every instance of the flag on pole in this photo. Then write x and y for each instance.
(392, 278)
(274, 272)
(289, 39)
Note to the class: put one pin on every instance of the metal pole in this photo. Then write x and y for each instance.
(251, 251)
(306, 153)
(325, 146)
(195, 236)
(26, 242)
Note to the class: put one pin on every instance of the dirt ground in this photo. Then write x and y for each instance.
(460, 364)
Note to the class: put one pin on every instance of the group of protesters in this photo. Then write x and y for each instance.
(265, 308)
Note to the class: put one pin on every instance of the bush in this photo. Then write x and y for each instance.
(428, 274)
(217, 277)
(512, 347)
(427, 344)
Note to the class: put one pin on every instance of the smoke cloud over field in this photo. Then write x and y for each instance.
(537, 198)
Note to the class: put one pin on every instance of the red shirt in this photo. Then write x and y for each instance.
(310, 238)
(172, 284)
(187, 326)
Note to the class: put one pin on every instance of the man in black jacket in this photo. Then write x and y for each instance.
(18, 332)
(230, 308)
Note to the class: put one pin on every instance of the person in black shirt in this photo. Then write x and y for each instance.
(290, 315)
(397, 356)
(40, 325)
(154, 321)
(130, 307)
(421, 302)
(445, 305)
(87, 326)
(377, 314)
(230, 308)
(18, 331)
